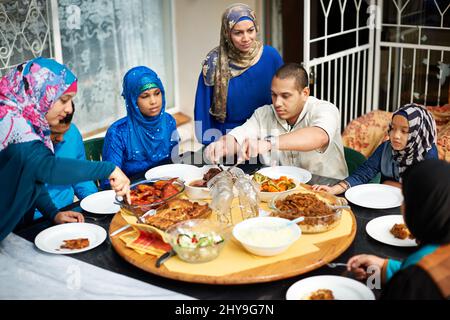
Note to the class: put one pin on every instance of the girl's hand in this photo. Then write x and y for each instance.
(336, 189)
(120, 183)
(68, 216)
(359, 264)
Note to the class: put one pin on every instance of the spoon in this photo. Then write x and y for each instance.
(286, 225)
(340, 207)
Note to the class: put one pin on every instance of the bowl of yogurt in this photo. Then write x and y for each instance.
(266, 236)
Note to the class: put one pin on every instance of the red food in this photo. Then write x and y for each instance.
(145, 194)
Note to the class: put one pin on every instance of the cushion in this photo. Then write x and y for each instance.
(364, 134)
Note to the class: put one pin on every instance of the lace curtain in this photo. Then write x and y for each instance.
(101, 40)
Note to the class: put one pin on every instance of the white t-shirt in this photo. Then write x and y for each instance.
(316, 113)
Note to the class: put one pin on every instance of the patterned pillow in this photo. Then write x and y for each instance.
(443, 143)
(442, 117)
(366, 133)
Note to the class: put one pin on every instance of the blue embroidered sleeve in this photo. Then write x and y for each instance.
(113, 151)
(368, 170)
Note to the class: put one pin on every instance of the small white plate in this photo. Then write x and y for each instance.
(343, 288)
(101, 203)
(298, 174)
(51, 239)
(375, 196)
(176, 170)
(379, 229)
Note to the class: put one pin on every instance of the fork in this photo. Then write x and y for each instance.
(336, 264)
(95, 218)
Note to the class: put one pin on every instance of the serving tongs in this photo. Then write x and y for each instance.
(165, 257)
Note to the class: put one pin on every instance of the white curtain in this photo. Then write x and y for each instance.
(101, 40)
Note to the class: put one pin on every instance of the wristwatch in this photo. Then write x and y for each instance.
(272, 140)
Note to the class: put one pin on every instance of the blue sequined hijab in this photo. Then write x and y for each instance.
(148, 136)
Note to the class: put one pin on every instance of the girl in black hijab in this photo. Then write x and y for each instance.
(426, 273)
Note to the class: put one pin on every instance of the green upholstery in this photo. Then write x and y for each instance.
(354, 159)
(94, 148)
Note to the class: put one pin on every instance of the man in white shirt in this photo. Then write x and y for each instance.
(296, 130)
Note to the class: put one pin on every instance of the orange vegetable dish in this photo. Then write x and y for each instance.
(267, 184)
(148, 194)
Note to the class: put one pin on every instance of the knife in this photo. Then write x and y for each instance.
(120, 230)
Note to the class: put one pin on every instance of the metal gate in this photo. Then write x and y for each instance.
(361, 61)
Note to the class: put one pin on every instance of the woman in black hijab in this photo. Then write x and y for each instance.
(426, 273)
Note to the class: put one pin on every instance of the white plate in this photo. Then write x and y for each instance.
(176, 170)
(52, 238)
(379, 229)
(299, 174)
(101, 203)
(375, 196)
(343, 288)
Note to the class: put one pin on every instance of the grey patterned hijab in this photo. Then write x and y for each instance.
(421, 137)
(226, 61)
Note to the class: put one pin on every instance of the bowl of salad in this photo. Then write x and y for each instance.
(198, 240)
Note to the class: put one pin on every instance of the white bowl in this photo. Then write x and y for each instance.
(268, 196)
(263, 237)
(196, 193)
(298, 175)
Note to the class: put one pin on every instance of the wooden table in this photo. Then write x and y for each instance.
(328, 251)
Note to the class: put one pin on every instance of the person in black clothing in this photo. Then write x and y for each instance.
(425, 274)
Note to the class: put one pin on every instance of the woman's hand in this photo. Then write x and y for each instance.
(359, 264)
(120, 183)
(68, 216)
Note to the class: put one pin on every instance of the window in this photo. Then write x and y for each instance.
(100, 40)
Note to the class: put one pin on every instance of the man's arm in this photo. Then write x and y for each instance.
(305, 139)
(231, 143)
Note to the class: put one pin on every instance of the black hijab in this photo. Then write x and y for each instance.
(426, 189)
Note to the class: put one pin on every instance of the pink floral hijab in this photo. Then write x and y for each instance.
(26, 94)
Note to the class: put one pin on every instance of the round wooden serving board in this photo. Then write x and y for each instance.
(329, 250)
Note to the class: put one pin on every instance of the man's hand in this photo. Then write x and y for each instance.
(226, 145)
(68, 216)
(120, 183)
(251, 148)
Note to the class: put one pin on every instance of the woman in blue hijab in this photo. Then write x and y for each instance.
(147, 135)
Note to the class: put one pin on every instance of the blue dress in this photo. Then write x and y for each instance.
(246, 93)
(115, 149)
(382, 161)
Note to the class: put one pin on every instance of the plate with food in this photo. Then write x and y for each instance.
(103, 202)
(277, 180)
(175, 211)
(70, 238)
(329, 288)
(375, 196)
(391, 229)
(151, 194)
(182, 171)
(319, 214)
